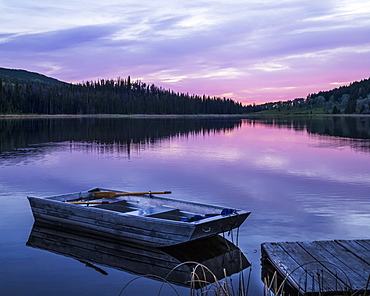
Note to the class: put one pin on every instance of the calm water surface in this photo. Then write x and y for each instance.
(306, 179)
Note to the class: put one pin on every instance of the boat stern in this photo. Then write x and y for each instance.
(216, 225)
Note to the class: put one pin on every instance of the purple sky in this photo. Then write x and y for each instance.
(251, 51)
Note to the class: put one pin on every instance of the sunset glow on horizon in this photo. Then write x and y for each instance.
(249, 51)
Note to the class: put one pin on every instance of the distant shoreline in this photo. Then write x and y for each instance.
(174, 116)
(139, 116)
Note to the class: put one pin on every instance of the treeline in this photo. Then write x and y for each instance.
(350, 99)
(23, 92)
(121, 96)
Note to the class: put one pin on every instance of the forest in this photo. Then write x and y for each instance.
(350, 99)
(22, 92)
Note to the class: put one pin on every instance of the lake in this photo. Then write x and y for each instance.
(303, 179)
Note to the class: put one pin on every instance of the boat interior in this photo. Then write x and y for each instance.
(161, 212)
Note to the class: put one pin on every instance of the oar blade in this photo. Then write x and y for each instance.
(104, 194)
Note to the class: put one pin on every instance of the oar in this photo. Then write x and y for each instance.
(110, 194)
(88, 202)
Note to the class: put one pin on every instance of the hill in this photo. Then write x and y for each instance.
(13, 75)
(23, 92)
(348, 99)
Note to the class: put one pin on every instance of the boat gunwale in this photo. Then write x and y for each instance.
(218, 216)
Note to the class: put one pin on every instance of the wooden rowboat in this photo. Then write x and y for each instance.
(140, 217)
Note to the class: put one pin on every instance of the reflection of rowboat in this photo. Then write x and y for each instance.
(216, 253)
(140, 217)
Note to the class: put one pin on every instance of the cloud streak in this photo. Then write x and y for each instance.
(251, 51)
(46, 42)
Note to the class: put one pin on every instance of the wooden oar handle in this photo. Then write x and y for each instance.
(142, 193)
(110, 194)
(88, 202)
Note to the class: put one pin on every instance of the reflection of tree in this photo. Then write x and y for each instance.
(106, 133)
(352, 131)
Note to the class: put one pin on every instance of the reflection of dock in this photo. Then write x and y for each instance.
(215, 253)
(338, 267)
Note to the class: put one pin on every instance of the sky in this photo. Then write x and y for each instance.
(252, 51)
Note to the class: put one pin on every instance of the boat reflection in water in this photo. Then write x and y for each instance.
(175, 264)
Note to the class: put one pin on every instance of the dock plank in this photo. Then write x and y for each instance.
(313, 277)
(325, 268)
(284, 263)
(321, 266)
(337, 266)
(357, 249)
(364, 243)
(353, 266)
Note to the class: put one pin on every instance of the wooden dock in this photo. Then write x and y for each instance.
(339, 267)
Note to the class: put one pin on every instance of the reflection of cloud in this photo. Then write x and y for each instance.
(331, 175)
(271, 161)
(344, 209)
(358, 219)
